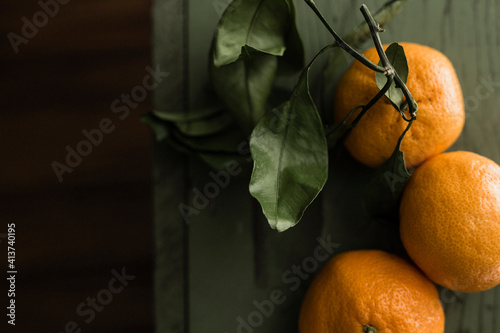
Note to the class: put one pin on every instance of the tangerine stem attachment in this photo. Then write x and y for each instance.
(370, 329)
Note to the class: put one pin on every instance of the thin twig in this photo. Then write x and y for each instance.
(358, 56)
(373, 100)
(400, 140)
(382, 16)
(329, 46)
(374, 28)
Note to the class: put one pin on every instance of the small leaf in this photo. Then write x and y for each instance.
(198, 122)
(383, 192)
(205, 127)
(290, 157)
(396, 55)
(338, 60)
(223, 143)
(244, 86)
(187, 116)
(249, 26)
(218, 151)
(255, 40)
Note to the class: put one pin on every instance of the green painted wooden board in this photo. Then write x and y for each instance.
(221, 270)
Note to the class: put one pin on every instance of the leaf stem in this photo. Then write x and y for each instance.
(375, 32)
(373, 100)
(389, 70)
(358, 56)
(334, 133)
(329, 46)
(400, 140)
(383, 16)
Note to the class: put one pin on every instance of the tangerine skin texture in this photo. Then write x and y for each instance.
(450, 220)
(433, 84)
(371, 287)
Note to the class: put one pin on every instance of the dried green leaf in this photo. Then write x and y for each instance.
(201, 122)
(359, 35)
(290, 157)
(396, 55)
(251, 26)
(244, 87)
(383, 192)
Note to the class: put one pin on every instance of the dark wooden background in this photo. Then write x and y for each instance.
(71, 235)
(227, 258)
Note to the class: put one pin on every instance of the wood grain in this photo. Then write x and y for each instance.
(71, 235)
(170, 53)
(235, 263)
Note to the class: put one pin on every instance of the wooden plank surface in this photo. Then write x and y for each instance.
(235, 263)
(170, 54)
(72, 234)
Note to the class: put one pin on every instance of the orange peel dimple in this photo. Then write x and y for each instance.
(450, 220)
(360, 289)
(432, 82)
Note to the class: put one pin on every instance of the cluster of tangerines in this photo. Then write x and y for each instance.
(449, 211)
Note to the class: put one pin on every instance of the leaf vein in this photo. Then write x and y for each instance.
(282, 151)
(252, 22)
(247, 90)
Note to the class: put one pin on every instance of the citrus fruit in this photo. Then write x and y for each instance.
(440, 118)
(450, 220)
(371, 289)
